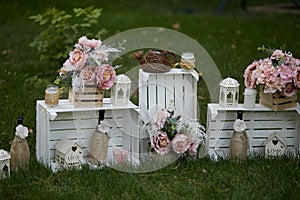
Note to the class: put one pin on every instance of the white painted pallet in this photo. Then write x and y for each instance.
(78, 124)
(261, 122)
(156, 90)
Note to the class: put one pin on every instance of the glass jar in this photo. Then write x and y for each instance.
(52, 93)
(187, 60)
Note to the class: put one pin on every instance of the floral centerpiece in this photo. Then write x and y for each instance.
(172, 133)
(88, 64)
(280, 72)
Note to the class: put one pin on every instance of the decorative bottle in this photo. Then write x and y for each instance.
(19, 151)
(239, 143)
(99, 141)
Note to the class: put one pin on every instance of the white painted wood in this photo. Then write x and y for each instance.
(261, 122)
(78, 124)
(157, 89)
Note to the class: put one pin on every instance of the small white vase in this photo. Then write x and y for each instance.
(249, 98)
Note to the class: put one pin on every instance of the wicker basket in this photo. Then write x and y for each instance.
(277, 101)
(156, 60)
(91, 96)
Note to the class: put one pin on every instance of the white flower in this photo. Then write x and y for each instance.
(22, 131)
(239, 125)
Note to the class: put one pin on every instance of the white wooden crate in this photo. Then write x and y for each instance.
(261, 122)
(157, 89)
(78, 124)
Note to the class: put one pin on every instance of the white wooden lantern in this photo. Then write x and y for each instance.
(275, 145)
(68, 153)
(120, 94)
(229, 93)
(4, 164)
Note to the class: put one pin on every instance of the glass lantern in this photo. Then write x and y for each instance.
(4, 164)
(229, 93)
(120, 94)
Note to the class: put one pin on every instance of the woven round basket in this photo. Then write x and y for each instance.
(239, 145)
(156, 61)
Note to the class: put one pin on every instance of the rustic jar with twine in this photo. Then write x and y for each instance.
(239, 143)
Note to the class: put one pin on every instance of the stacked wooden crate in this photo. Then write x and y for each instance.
(261, 122)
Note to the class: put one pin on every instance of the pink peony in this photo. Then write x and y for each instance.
(159, 119)
(78, 58)
(105, 76)
(89, 44)
(88, 75)
(194, 146)
(161, 143)
(181, 143)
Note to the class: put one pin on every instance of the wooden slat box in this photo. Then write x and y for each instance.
(261, 122)
(157, 89)
(78, 124)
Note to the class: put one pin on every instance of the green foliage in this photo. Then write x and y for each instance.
(62, 30)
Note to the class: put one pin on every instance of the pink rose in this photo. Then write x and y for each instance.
(78, 58)
(159, 119)
(105, 76)
(181, 143)
(90, 44)
(88, 75)
(67, 67)
(161, 143)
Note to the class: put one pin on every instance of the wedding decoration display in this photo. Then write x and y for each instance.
(278, 76)
(229, 93)
(275, 145)
(88, 71)
(19, 150)
(120, 93)
(4, 164)
(68, 154)
(172, 133)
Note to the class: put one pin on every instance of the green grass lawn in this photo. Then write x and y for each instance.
(231, 39)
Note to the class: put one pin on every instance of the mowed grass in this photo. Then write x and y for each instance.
(230, 38)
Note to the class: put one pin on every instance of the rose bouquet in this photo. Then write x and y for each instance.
(170, 133)
(280, 72)
(88, 64)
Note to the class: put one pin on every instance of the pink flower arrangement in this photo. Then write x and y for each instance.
(88, 65)
(169, 133)
(279, 72)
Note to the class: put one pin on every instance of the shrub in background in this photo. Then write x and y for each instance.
(62, 31)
